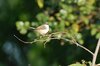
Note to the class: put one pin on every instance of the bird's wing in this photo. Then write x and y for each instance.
(42, 27)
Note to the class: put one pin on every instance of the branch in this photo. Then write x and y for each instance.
(73, 41)
(30, 42)
(49, 38)
(96, 53)
(84, 48)
(76, 43)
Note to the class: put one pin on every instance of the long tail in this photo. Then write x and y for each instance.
(22, 40)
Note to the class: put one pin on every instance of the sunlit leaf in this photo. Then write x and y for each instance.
(93, 31)
(81, 2)
(40, 3)
(79, 35)
(62, 11)
(42, 17)
(19, 24)
(86, 21)
(75, 27)
(98, 35)
(81, 41)
(71, 17)
(90, 2)
(61, 26)
(22, 26)
(77, 64)
(23, 31)
(67, 23)
(27, 24)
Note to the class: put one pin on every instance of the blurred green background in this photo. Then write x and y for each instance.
(81, 18)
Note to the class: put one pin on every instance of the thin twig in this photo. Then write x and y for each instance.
(96, 53)
(23, 41)
(45, 43)
(30, 42)
(49, 38)
(84, 48)
(75, 42)
(77, 45)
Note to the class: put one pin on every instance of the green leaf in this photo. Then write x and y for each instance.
(19, 25)
(75, 27)
(42, 17)
(23, 31)
(79, 36)
(98, 35)
(80, 2)
(81, 41)
(67, 23)
(77, 64)
(62, 26)
(40, 3)
(93, 31)
(27, 24)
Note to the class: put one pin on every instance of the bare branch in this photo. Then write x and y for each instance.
(23, 41)
(75, 42)
(96, 53)
(26, 42)
(84, 48)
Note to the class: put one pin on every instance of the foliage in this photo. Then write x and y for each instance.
(76, 18)
(84, 63)
(72, 16)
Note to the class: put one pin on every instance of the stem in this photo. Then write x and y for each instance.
(23, 41)
(30, 42)
(84, 48)
(73, 41)
(96, 53)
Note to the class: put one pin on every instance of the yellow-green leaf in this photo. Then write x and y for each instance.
(77, 64)
(98, 35)
(75, 27)
(40, 3)
(93, 31)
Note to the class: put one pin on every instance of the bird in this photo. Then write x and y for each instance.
(42, 29)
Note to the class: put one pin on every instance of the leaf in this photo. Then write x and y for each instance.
(23, 31)
(22, 26)
(62, 26)
(19, 25)
(77, 64)
(27, 24)
(81, 41)
(79, 36)
(98, 35)
(67, 23)
(93, 31)
(40, 3)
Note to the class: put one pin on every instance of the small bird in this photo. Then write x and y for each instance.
(42, 29)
